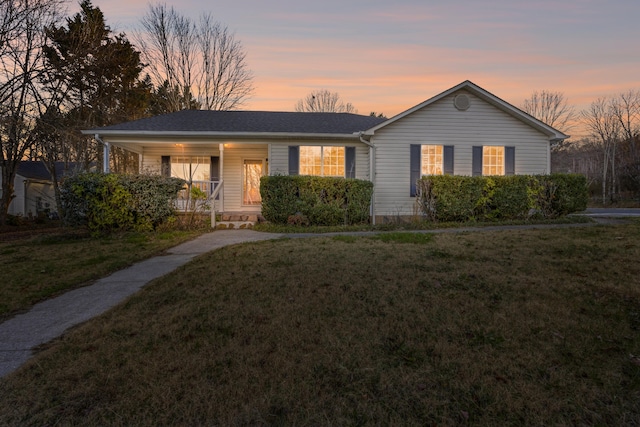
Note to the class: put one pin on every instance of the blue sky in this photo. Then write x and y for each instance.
(389, 56)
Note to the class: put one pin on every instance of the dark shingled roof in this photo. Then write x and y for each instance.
(37, 170)
(250, 122)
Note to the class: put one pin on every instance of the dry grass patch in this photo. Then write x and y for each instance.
(42, 266)
(535, 327)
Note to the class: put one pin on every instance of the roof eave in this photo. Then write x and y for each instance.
(220, 135)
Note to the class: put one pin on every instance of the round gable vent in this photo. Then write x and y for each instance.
(461, 102)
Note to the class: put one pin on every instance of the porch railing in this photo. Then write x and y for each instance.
(200, 195)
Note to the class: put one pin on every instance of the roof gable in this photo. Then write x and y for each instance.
(553, 134)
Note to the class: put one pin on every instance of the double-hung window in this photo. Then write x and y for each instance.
(322, 160)
(493, 160)
(431, 160)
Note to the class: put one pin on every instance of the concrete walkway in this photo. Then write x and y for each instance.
(49, 319)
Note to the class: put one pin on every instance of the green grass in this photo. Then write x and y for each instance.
(40, 267)
(520, 327)
(399, 237)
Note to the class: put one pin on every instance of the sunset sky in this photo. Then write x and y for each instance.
(387, 56)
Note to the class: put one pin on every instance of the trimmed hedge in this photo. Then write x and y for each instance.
(315, 200)
(110, 202)
(450, 198)
(481, 198)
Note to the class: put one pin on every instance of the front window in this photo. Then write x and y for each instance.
(322, 161)
(194, 168)
(431, 160)
(492, 160)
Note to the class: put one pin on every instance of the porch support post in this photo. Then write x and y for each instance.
(105, 153)
(372, 175)
(221, 148)
(218, 190)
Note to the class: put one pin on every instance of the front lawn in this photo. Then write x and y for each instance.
(524, 327)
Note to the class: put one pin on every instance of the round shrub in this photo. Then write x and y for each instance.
(111, 202)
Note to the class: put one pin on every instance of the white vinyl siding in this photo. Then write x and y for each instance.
(441, 123)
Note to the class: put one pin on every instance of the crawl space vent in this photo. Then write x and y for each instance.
(461, 102)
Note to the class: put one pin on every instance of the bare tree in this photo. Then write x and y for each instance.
(550, 108)
(626, 109)
(324, 101)
(604, 126)
(22, 101)
(202, 58)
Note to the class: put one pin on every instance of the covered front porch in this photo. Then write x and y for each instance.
(222, 178)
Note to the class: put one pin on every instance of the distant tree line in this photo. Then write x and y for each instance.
(59, 75)
(610, 155)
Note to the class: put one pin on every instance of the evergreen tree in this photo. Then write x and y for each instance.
(95, 77)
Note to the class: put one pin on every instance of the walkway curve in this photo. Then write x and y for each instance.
(51, 318)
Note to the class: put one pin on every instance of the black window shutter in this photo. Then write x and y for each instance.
(509, 160)
(214, 172)
(476, 162)
(165, 168)
(294, 160)
(447, 153)
(414, 167)
(350, 162)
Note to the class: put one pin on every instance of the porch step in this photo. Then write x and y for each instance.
(238, 221)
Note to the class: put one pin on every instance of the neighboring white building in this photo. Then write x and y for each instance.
(33, 190)
(464, 131)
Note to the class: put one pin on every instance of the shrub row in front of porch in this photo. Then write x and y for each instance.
(314, 200)
(481, 198)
